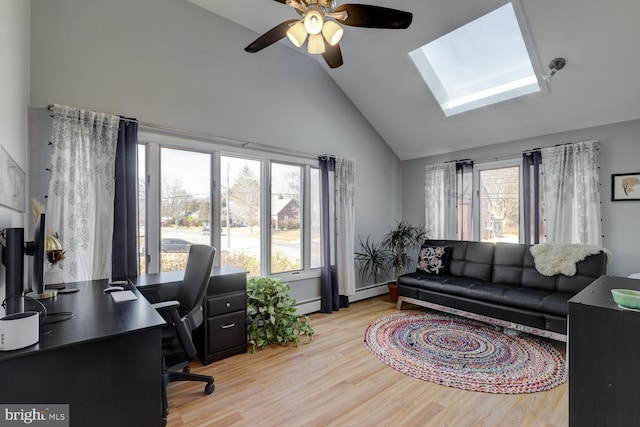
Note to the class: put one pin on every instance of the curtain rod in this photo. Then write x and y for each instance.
(514, 155)
(234, 142)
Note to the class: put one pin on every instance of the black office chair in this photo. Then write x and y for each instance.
(183, 313)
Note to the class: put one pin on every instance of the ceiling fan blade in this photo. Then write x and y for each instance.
(270, 37)
(333, 55)
(362, 15)
(282, 1)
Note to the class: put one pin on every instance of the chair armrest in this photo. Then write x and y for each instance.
(165, 305)
(169, 311)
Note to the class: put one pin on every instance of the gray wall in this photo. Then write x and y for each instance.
(14, 87)
(172, 63)
(620, 153)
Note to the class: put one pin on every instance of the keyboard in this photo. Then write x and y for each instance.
(121, 296)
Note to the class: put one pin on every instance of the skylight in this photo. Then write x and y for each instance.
(481, 63)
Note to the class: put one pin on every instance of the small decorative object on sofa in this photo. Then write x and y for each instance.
(433, 259)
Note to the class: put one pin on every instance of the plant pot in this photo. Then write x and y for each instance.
(393, 291)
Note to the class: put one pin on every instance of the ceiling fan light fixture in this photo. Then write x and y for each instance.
(316, 44)
(297, 34)
(313, 21)
(332, 32)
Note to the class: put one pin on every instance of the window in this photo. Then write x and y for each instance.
(286, 213)
(261, 214)
(314, 214)
(240, 213)
(498, 193)
(481, 63)
(142, 207)
(185, 207)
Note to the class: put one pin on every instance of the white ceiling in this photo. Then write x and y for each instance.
(599, 85)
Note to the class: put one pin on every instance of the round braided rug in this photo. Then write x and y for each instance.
(466, 354)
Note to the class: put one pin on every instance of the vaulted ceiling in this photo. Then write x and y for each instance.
(599, 85)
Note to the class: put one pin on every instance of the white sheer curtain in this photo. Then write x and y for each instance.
(345, 218)
(81, 190)
(571, 193)
(440, 201)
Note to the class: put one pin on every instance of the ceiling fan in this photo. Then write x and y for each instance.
(318, 23)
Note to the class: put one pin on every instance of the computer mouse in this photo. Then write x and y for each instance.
(112, 289)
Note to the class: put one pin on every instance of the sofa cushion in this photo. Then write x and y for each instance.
(479, 261)
(434, 259)
(513, 263)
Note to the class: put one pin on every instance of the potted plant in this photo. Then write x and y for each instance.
(373, 260)
(271, 317)
(399, 241)
(391, 255)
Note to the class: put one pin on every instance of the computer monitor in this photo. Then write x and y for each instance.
(13, 252)
(37, 249)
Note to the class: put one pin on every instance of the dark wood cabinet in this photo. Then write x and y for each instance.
(603, 351)
(224, 330)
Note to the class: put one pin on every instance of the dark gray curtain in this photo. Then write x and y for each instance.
(330, 299)
(125, 224)
(531, 162)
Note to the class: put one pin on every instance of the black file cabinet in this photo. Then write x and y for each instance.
(223, 332)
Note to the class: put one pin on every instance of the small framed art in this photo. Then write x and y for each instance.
(12, 183)
(625, 186)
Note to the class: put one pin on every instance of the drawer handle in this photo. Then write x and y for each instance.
(228, 304)
(230, 325)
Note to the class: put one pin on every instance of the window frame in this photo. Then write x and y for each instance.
(154, 142)
(498, 164)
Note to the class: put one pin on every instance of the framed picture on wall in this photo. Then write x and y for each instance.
(12, 183)
(625, 186)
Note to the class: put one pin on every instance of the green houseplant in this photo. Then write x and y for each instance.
(271, 315)
(372, 260)
(400, 241)
(391, 254)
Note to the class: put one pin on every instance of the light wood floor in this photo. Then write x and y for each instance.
(336, 381)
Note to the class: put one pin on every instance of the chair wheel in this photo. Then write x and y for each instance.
(209, 388)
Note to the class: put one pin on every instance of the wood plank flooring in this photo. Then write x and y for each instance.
(336, 381)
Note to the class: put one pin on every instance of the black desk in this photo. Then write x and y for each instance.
(105, 362)
(604, 373)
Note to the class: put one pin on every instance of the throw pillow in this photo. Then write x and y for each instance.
(433, 259)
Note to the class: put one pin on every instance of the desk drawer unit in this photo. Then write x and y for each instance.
(227, 331)
(227, 303)
(224, 330)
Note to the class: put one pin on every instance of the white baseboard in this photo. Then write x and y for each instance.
(312, 306)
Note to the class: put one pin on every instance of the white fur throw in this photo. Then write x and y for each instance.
(553, 258)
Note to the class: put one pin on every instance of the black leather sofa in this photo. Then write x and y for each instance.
(499, 284)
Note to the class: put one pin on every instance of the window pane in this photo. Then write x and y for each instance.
(314, 232)
(185, 207)
(500, 205)
(286, 213)
(142, 208)
(240, 213)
